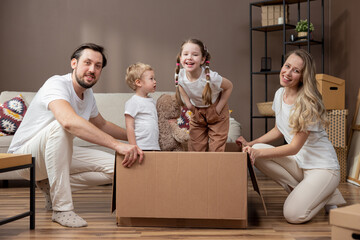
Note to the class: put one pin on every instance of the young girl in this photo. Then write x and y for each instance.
(307, 167)
(205, 93)
(140, 110)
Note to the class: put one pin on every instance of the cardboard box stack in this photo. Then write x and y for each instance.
(345, 222)
(332, 90)
(270, 14)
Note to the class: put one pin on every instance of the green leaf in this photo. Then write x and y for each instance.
(302, 26)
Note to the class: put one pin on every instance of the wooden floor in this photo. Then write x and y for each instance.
(94, 206)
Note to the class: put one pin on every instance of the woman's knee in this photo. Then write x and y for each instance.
(261, 145)
(295, 214)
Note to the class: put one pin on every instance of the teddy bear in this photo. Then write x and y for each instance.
(171, 136)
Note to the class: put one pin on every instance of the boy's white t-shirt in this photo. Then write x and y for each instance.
(195, 89)
(143, 110)
(38, 115)
(317, 152)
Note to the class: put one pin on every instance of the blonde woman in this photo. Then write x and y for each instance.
(307, 166)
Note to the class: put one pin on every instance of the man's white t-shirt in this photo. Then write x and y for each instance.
(317, 151)
(143, 110)
(38, 115)
(195, 89)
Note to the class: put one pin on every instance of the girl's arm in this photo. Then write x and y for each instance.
(285, 150)
(227, 87)
(186, 99)
(130, 129)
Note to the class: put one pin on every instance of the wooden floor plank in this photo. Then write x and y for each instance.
(94, 206)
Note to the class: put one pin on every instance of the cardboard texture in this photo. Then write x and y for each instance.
(345, 222)
(339, 233)
(332, 90)
(183, 189)
(337, 128)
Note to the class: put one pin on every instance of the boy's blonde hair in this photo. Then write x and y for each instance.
(135, 71)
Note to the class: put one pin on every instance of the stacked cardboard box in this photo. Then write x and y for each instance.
(270, 14)
(332, 90)
(345, 222)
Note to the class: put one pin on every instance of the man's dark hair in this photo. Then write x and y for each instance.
(78, 52)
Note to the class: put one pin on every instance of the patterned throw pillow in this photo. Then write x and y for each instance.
(12, 113)
(184, 119)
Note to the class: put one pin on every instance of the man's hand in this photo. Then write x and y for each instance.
(131, 152)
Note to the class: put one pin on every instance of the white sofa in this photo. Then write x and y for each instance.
(110, 105)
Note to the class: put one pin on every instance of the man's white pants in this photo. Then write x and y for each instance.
(67, 167)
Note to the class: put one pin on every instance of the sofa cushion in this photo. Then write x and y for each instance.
(5, 143)
(27, 96)
(11, 114)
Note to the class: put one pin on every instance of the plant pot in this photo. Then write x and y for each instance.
(302, 34)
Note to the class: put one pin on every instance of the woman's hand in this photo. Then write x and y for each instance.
(253, 153)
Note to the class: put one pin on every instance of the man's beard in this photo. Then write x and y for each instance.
(82, 83)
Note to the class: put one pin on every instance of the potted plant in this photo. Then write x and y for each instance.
(302, 28)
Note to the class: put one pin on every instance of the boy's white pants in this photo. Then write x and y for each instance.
(67, 167)
(309, 189)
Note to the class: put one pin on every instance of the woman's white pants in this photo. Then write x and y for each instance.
(309, 189)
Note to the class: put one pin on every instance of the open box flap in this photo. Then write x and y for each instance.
(254, 182)
(113, 203)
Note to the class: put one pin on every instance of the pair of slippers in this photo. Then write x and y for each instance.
(68, 218)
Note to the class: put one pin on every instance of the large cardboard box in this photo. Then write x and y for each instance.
(345, 222)
(332, 90)
(337, 127)
(183, 189)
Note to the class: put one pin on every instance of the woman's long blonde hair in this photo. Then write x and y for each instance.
(308, 107)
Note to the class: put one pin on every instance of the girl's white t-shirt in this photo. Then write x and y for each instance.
(317, 152)
(38, 115)
(195, 89)
(143, 110)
